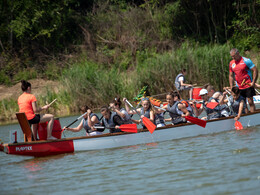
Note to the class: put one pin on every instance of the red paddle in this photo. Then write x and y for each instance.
(212, 105)
(238, 125)
(132, 128)
(192, 119)
(196, 121)
(149, 124)
(129, 128)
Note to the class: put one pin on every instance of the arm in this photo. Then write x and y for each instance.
(241, 105)
(197, 111)
(231, 79)
(184, 110)
(37, 109)
(118, 121)
(185, 84)
(76, 129)
(223, 99)
(255, 75)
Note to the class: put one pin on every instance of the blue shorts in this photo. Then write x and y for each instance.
(35, 120)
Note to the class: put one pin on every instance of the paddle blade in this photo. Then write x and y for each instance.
(149, 124)
(129, 128)
(212, 105)
(196, 121)
(238, 125)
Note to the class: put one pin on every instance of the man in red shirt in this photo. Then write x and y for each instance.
(242, 69)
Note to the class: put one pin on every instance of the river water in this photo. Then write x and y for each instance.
(224, 163)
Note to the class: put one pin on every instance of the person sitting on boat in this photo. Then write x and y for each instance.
(180, 83)
(213, 93)
(111, 120)
(217, 112)
(177, 110)
(89, 121)
(145, 111)
(236, 102)
(115, 106)
(27, 103)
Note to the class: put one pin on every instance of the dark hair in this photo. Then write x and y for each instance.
(84, 108)
(183, 70)
(25, 85)
(174, 94)
(235, 90)
(117, 101)
(104, 109)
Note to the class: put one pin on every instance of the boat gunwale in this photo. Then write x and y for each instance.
(122, 133)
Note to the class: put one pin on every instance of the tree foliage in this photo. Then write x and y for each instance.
(32, 32)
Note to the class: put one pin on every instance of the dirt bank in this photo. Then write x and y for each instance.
(39, 87)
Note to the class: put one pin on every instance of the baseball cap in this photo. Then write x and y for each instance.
(203, 92)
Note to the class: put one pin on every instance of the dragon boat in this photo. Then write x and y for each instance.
(85, 143)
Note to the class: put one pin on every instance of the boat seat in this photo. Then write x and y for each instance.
(25, 126)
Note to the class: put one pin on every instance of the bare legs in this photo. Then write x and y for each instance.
(190, 92)
(50, 118)
(251, 104)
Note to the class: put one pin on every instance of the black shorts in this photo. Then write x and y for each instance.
(35, 120)
(248, 92)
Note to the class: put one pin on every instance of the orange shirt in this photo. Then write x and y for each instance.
(25, 104)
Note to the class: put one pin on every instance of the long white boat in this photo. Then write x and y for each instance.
(170, 132)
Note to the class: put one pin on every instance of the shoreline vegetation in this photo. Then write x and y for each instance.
(98, 50)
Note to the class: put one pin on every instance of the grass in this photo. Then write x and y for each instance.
(93, 84)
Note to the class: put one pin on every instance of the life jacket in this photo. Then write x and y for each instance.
(175, 113)
(146, 114)
(235, 104)
(87, 127)
(216, 112)
(159, 118)
(109, 123)
(177, 82)
(127, 118)
(188, 107)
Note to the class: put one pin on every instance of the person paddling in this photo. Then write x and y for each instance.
(212, 113)
(111, 120)
(115, 106)
(177, 110)
(89, 121)
(236, 101)
(27, 103)
(145, 111)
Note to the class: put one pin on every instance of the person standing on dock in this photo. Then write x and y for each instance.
(180, 83)
(241, 68)
(27, 104)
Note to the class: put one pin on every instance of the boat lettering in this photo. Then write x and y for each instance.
(24, 148)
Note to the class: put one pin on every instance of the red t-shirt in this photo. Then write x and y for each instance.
(25, 104)
(242, 69)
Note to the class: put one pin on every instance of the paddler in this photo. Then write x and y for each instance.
(177, 110)
(217, 112)
(236, 102)
(115, 106)
(89, 121)
(145, 111)
(28, 104)
(111, 120)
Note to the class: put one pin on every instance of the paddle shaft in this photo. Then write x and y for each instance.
(76, 119)
(52, 102)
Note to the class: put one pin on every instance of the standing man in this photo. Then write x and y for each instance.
(242, 69)
(180, 83)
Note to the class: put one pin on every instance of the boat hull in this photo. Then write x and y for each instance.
(170, 132)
